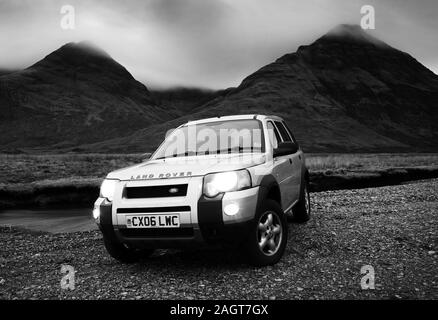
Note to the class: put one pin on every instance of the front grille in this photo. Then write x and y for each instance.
(157, 232)
(153, 209)
(176, 190)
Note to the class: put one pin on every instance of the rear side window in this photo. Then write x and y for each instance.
(283, 131)
(274, 136)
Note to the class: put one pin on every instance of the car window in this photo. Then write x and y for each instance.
(290, 132)
(216, 137)
(283, 131)
(274, 136)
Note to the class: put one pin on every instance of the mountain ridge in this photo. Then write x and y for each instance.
(345, 92)
(76, 94)
(338, 94)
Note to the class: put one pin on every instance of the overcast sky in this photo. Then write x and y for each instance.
(205, 43)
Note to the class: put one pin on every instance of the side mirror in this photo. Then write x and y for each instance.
(285, 148)
(145, 156)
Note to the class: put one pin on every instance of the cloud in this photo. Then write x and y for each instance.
(207, 43)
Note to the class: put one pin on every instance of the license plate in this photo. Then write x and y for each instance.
(153, 221)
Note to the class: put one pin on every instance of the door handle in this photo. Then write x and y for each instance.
(290, 160)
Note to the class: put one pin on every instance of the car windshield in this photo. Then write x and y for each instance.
(218, 137)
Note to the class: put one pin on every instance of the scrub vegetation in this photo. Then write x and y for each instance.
(41, 180)
(371, 161)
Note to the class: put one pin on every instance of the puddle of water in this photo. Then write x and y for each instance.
(50, 220)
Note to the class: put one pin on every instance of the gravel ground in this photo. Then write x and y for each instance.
(393, 229)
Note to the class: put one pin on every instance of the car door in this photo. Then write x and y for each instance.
(295, 161)
(281, 167)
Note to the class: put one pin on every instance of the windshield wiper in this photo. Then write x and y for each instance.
(239, 149)
(185, 154)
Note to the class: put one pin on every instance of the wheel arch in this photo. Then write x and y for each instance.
(306, 174)
(269, 189)
(305, 178)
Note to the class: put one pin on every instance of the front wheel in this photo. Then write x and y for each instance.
(123, 252)
(267, 237)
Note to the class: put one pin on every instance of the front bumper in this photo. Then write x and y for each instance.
(202, 219)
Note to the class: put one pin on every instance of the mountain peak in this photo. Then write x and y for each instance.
(351, 33)
(351, 29)
(82, 48)
(82, 54)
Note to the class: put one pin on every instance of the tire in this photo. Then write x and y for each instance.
(301, 211)
(273, 248)
(124, 253)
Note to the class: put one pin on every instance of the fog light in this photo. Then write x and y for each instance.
(231, 209)
(96, 213)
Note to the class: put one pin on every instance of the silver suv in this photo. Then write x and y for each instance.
(232, 180)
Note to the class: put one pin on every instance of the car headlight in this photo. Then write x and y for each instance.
(216, 183)
(108, 188)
